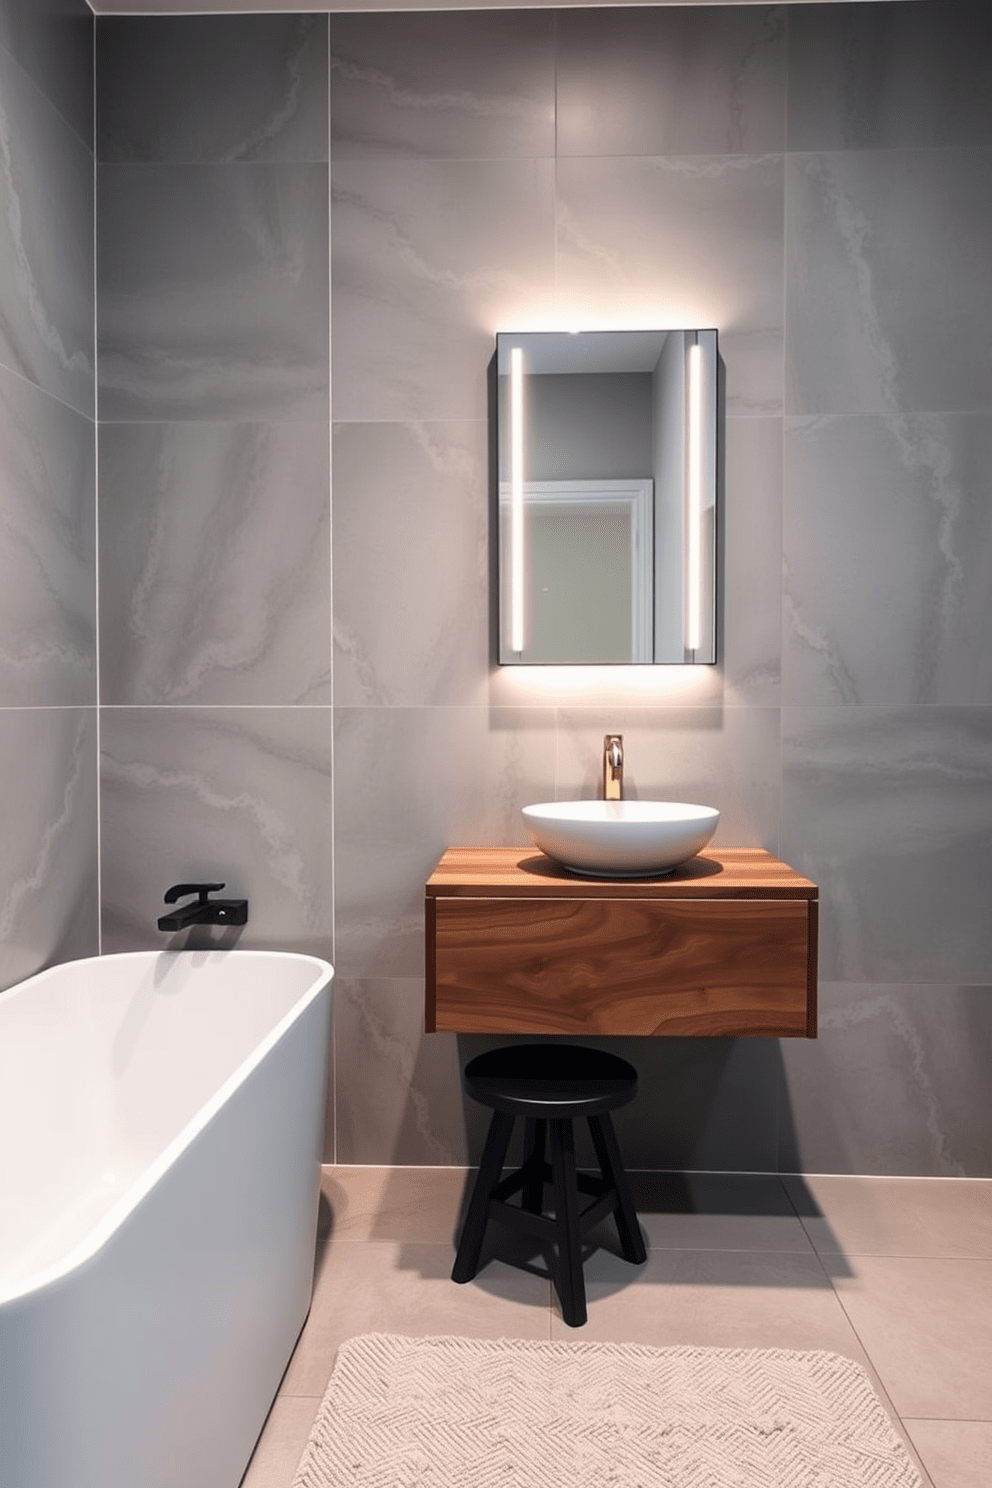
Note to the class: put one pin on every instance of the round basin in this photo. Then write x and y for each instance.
(620, 839)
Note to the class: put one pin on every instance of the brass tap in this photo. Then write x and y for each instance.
(613, 767)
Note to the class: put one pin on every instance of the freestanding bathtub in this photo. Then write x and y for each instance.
(161, 1117)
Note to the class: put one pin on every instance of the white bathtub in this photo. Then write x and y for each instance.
(161, 1117)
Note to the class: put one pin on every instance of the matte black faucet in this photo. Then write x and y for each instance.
(202, 910)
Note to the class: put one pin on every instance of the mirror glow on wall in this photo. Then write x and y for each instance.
(607, 497)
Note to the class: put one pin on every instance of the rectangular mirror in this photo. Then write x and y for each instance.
(607, 497)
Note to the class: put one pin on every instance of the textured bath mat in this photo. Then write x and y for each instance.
(471, 1413)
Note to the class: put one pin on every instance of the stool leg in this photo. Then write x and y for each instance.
(571, 1287)
(532, 1197)
(470, 1246)
(611, 1163)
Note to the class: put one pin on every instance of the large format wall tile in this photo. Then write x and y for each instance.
(892, 1084)
(914, 72)
(684, 241)
(47, 549)
(671, 80)
(430, 259)
(448, 84)
(46, 243)
(53, 42)
(411, 579)
(890, 811)
(209, 794)
(398, 1089)
(888, 550)
(749, 611)
(48, 806)
(212, 87)
(213, 291)
(889, 301)
(702, 1104)
(215, 563)
(418, 781)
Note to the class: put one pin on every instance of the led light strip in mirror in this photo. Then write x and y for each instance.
(695, 455)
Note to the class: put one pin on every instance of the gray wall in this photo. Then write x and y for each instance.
(814, 184)
(48, 716)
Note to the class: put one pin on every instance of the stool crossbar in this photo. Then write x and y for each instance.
(551, 1085)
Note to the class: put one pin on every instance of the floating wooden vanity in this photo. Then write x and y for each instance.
(724, 946)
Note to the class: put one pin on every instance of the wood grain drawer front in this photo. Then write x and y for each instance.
(700, 967)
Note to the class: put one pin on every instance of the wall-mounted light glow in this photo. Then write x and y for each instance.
(695, 456)
(516, 499)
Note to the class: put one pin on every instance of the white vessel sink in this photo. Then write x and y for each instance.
(620, 839)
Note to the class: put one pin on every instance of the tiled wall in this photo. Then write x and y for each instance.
(814, 183)
(215, 609)
(48, 716)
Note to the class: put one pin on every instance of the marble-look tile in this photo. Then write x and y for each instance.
(881, 76)
(608, 687)
(686, 241)
(705, 1105)
(215, 560)
(411, 570)
(53, 42)
(205, 794)
(47, 549)
(48, 805)
(448, 84)
(894, 1216)
(911, 1315)
(727, 758)
(396, 1203)
(873, 325)
(46, 243)
(749, 617)
(398, 1089)
(896, 1082)
(890, 811)
(212, 87)
(956, 1454)
(888, 547)
(213, 291)
(671, 80)
(412, 782)
(430, 259)
(405, 1287)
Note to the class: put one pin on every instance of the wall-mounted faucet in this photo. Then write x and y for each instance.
(613, 767)
(203, 910)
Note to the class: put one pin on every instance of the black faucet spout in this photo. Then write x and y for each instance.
(202, 910)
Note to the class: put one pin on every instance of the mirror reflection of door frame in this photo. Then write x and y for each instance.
(637, 496)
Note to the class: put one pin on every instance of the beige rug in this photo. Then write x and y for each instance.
(472, 1413)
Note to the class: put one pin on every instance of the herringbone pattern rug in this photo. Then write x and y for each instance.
(471, 1413)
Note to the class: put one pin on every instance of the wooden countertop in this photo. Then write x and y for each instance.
(526, 873)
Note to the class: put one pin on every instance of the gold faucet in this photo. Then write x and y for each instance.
(612, 767)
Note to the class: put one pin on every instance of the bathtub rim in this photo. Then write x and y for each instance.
(130, 1199)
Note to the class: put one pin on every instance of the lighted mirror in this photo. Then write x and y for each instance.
(607, 497)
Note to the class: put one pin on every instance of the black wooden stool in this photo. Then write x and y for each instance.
(551, 1085)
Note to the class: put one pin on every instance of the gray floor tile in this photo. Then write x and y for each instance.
(895, 1216)
(927, 1325)
(957, 1454)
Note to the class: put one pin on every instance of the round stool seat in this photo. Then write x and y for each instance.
(550, 1081)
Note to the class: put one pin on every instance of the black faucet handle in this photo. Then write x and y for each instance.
(180, 891)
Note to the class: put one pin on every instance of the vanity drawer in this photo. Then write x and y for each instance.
(602, 965)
